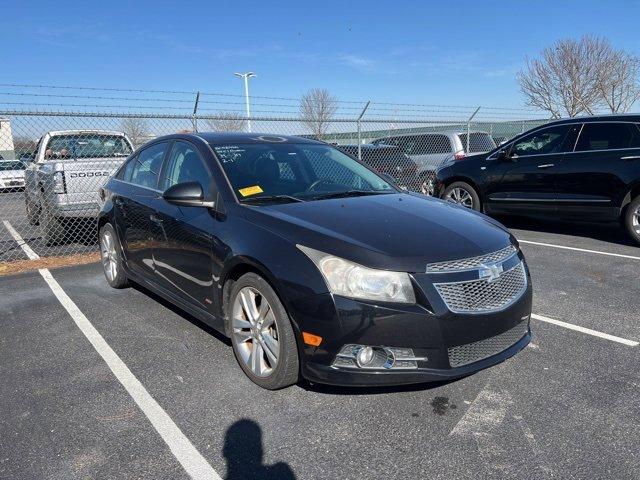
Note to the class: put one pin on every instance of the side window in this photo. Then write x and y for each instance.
(608, 136)
(185, 165)
(548, 140)
(432, 144)
(125, 172)
(146, 168)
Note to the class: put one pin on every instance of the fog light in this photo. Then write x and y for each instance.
(376, 358)
(364, 356)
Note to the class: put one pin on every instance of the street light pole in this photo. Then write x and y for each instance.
(246, 76)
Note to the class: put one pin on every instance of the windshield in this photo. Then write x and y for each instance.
(296, 172)
(6, 166)
(86, 145)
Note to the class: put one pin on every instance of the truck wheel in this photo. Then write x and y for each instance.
(632, 219)
(33, 212)
(52, 228)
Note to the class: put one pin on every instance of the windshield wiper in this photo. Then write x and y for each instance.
(349, 193)
(271, 198)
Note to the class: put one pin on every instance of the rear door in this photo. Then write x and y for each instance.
(182, 251)
(590, 181)
(524, 181)
(134, 206)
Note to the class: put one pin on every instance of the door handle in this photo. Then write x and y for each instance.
(630, 157)
(546, 165)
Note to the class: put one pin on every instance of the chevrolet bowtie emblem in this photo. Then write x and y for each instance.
(490, 271)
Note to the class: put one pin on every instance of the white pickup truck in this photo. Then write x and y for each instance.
(68, 169)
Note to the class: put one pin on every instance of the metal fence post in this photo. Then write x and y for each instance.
(359, 131)
(466, 150)
(194, 120)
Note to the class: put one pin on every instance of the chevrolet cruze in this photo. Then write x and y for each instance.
(312, 264)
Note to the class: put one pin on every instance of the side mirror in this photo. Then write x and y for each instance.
(503, 156)
(187, 194)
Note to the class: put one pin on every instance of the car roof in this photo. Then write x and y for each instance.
(370, 146)
(92, 132)
(226, 138)
(612, 117)
(439, 132)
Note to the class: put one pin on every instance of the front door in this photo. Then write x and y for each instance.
(523, 181)
(182, 252)
(590, 181)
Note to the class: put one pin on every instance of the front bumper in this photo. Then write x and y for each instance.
(429, 328)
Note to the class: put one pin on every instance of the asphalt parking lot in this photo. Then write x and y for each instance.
(103, 383)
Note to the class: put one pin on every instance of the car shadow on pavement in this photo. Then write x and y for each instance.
(244, 452)
(178, 311)
(613, 232)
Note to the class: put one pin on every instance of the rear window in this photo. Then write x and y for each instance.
(425, 144)
(478, 142)
(87, 145)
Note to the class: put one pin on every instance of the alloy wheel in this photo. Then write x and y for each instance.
(109, 255)
(635, 220)
(460, 196)
(255, 332)
(427, 187)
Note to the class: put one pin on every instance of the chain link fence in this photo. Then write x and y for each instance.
(52, 164)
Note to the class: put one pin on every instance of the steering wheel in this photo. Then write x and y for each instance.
(311, 188)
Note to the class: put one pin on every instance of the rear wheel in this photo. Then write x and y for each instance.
(52, 227)
(33, 212)
(111, 256)
(261, 334)
(462, 193)
(632, 219)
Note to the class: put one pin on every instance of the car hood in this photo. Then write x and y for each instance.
(400, 232)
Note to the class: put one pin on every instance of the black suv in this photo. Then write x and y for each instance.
(577, 169)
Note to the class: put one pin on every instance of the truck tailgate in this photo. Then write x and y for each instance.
(84, 177)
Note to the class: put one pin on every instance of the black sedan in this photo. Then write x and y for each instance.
(581, 169)
(312, 264)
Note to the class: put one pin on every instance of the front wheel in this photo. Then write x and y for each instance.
(462, 193)
(632, 219)
(261, 334)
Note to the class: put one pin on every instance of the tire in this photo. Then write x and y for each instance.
(462, 193)
(52, 228)
(427, 184)
(111, 257)
(632, 219)
(33, 213)
(253, 334)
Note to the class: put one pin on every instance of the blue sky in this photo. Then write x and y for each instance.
(460, 53)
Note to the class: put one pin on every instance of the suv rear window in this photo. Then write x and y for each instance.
(608, 136)
(87, 145)
(478, 142)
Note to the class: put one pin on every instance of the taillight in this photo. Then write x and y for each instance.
(459, 156)
(58, 183)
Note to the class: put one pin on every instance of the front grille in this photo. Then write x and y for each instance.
(476, 351)
(482, 296)
(471, 263)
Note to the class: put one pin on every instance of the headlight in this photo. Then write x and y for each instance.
(352, 280)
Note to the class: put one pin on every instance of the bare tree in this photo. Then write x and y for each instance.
(228, 122)
(574, 76)
(136, 129)
(317, 108)
(617, 83)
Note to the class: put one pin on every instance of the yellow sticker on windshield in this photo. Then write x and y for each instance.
(245, 192)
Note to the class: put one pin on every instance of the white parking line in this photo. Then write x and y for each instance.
(564, 247)
(588, 331)
(18, 238)
(184, 451)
